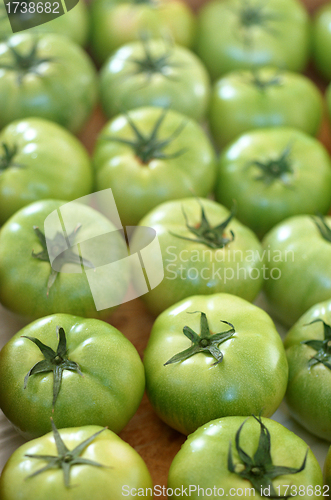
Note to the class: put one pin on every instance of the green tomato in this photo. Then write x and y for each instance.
(94, 463)
(38, 160)
(74, 24)
(328, 100)
(327, 471)
(48, 77)
(92, 376)
(246, 34)
(307, 347)
(238, 457)
(274, 174)
(117, 22)
(154, 73)
(297, 254)
(205, 251)
(269, 98)
(29, 286)
(151, 156)
(199, 362)
(322, 41)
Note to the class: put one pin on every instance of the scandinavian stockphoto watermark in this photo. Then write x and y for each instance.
(89, 232)
(26, 14)
(210, 264)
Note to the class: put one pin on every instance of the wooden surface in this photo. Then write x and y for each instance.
(154, 441)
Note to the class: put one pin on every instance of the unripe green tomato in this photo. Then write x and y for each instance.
(39, 160)
(327, 470)
(150, 156)
(74, 24)
(33, 285)
(308, 395)
(246, 34)
(236, 457)
(322, 40)
(205, 250)
(155, 73)
(46, 76)
(102, 381)
(297, 254)
(268, 97)
(274, 174)
(328, 100)
(192, 378)
(117, 22)
(110, 464)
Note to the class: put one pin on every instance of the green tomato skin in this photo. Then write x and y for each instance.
(190, 393)
(327, 470)
(296, 248)
(328, 100)
(23, 278)
(70, 94)
(123, 466)
(225, 45)
(308, 395)
(192, 268)
(138, 187)
(184, 86)
(53, 164)
(294, 101)
(203, 459)
(74, 24)
(262, 205)
(108, 394)
(322, 41)
(117, 22)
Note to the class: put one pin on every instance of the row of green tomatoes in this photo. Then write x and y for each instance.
(156, 71)
(227, 35)
(210, 363)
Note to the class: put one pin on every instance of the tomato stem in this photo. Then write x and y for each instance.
(65, 458)
(322, 226)
(26, 63)
(259, 469)
(205, 342)
(151, 64)
(55, 361)
(273, 169)
(323, 347)
(6, 159)
(58, 251)
(148, 148)
(213, 237)
(252, 15)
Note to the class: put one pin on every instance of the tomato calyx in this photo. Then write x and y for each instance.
(322, 226)
(151, 65)
(66, 458)
(262, 84)
(26, 63)
(58, 251)
(259, 469)
(6, 159)
(150, 147)
(151, 3)
(274, 169)
(205, 342)
(252, 14)
(55, 361)
(322, 347)
(213, 237)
